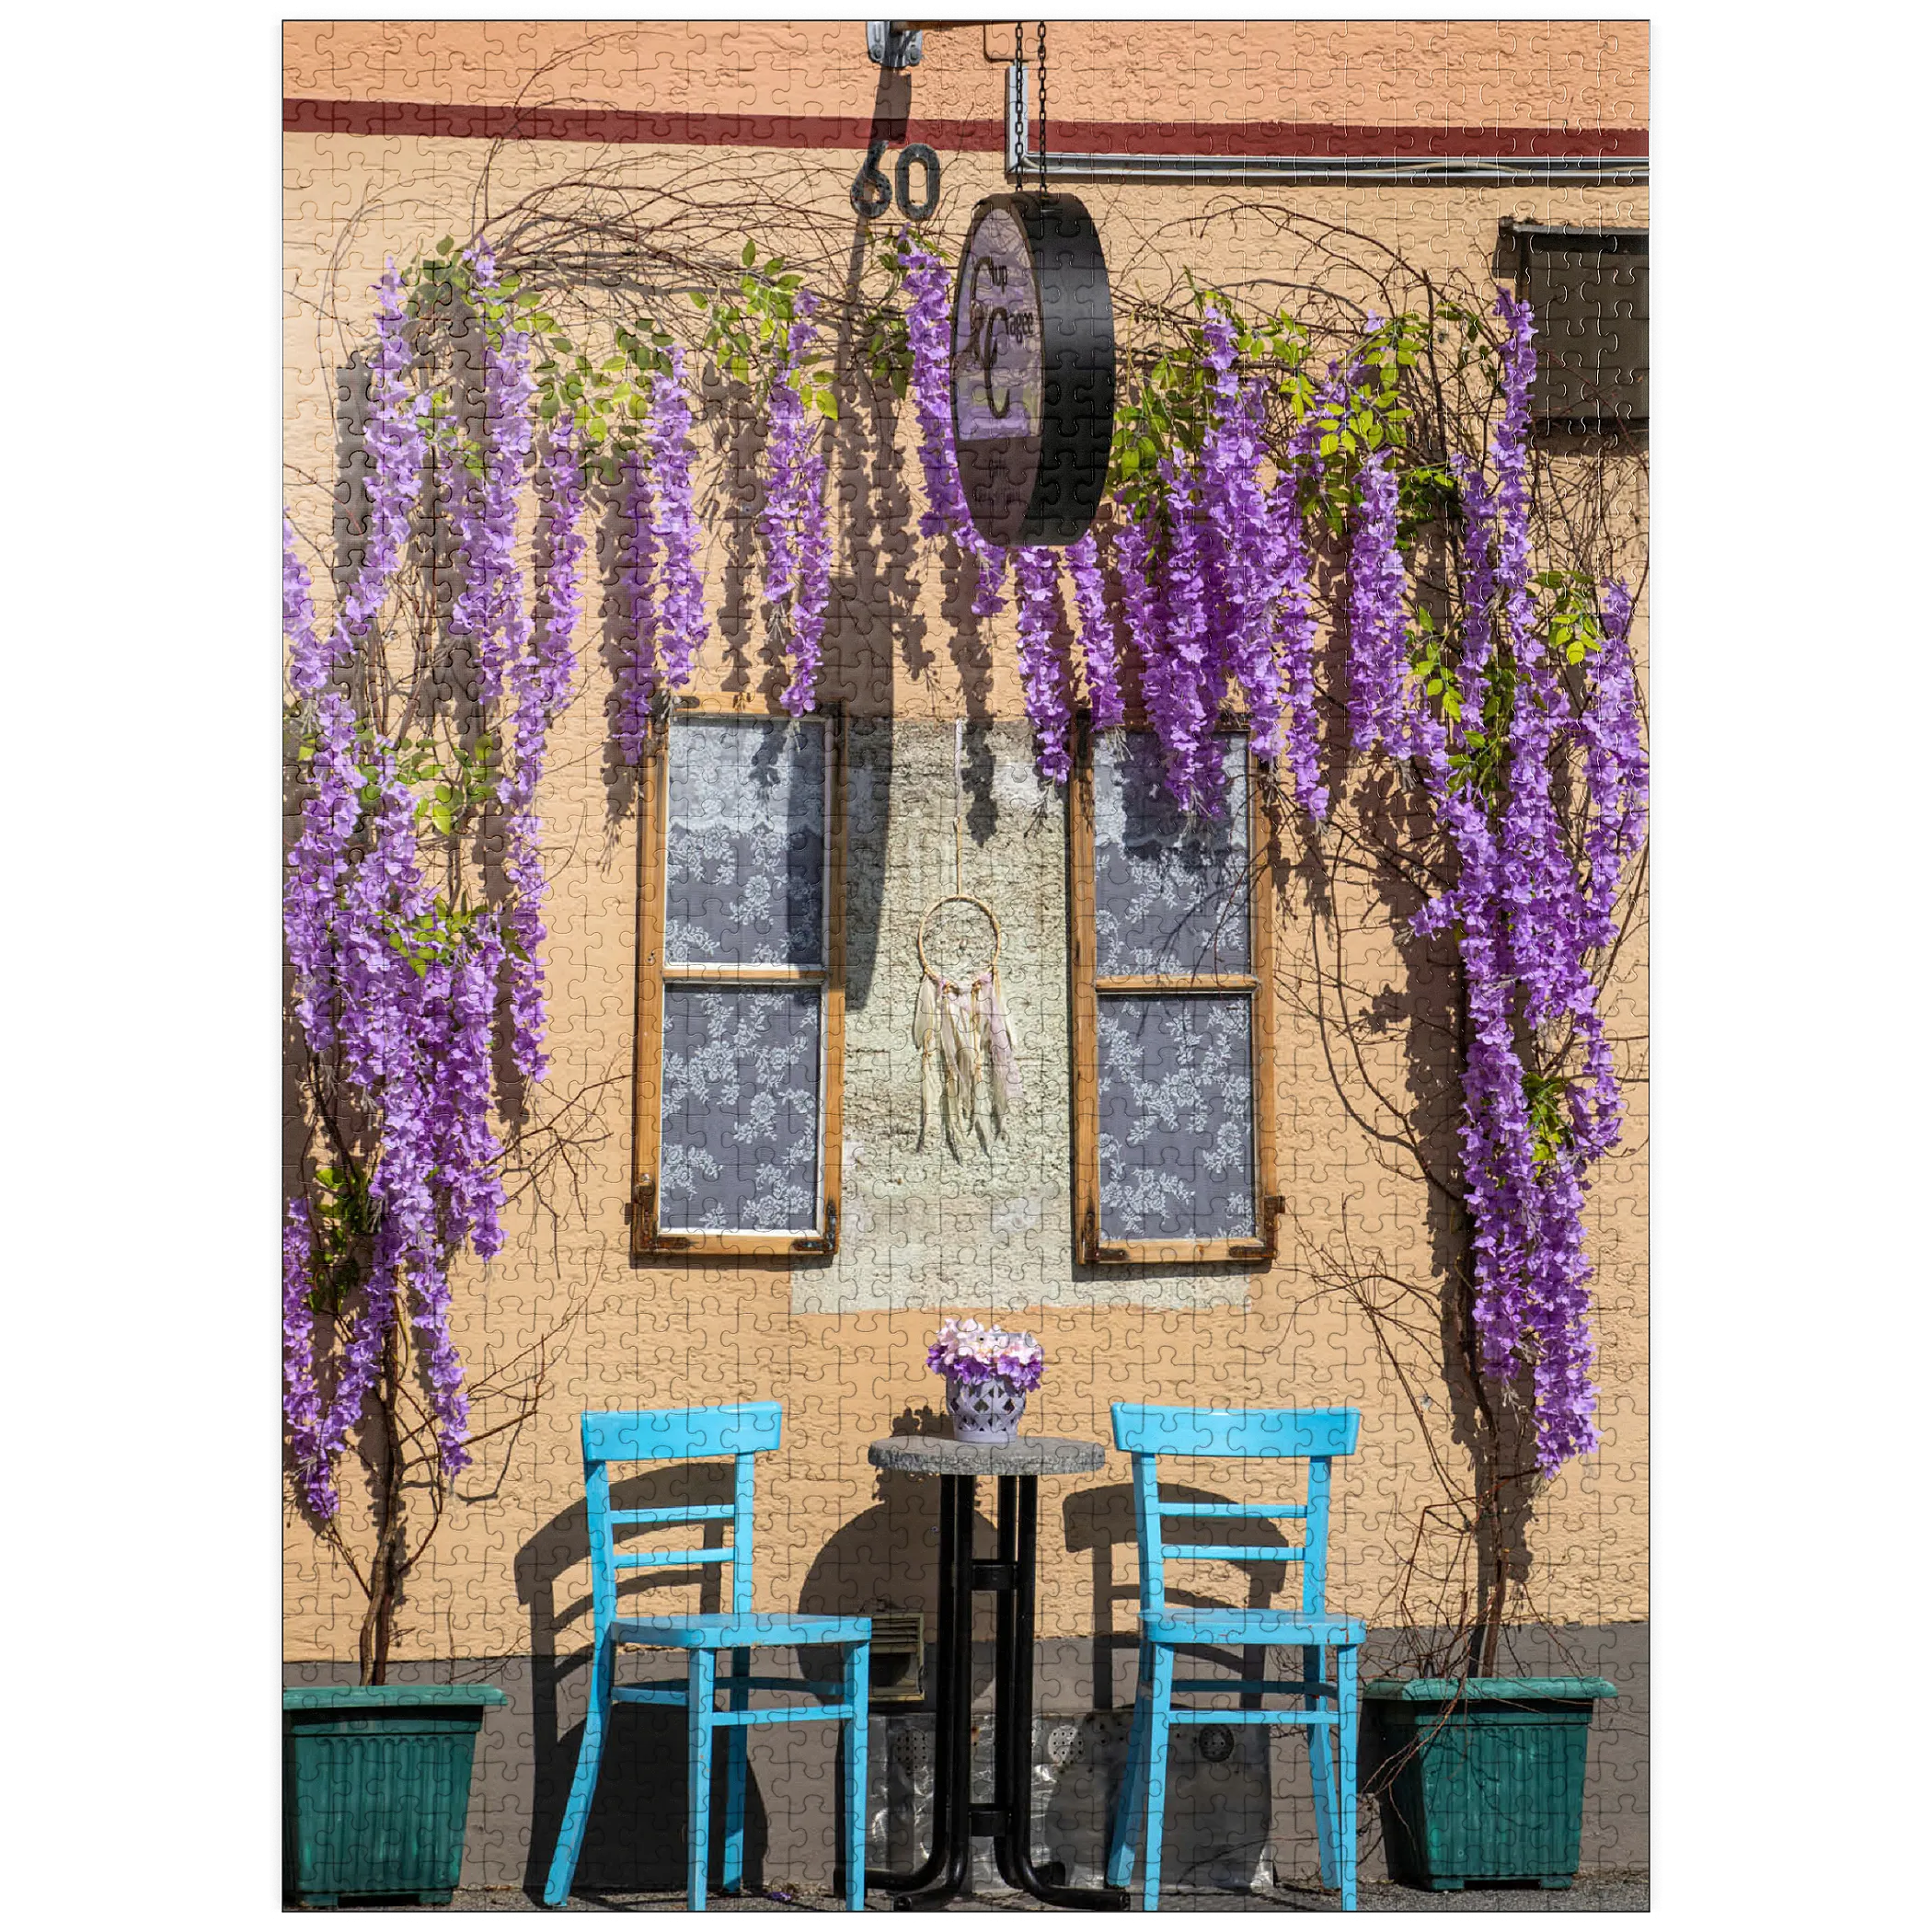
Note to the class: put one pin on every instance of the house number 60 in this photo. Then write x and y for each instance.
(872, 194)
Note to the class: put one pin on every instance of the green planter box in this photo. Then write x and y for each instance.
(1484, 1776)
(375, 1788)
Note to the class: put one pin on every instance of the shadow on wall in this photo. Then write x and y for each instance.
(636, 1839)
(888, 1559)
(1100, 1521)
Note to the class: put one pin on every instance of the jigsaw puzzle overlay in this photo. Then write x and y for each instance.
(399, 133)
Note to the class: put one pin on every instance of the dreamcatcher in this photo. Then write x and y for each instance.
(962, 1027)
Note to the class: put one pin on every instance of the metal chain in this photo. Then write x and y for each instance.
(1019, 67)
(1042, 44)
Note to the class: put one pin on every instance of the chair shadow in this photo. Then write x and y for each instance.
(635, 1841)
(1100, 1520)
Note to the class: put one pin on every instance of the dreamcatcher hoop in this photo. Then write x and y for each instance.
(927, 966)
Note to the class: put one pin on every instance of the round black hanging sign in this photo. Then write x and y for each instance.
(1033, 369)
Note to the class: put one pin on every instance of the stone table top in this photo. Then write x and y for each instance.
(1025, 1455)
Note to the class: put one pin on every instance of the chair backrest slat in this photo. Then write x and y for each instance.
(740, 1431)
(1155, 1430)
(1149, 1431)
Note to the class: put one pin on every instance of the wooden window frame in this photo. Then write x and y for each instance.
(1089, 984)
(646, 1240)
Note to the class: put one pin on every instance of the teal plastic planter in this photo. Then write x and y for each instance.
(1484, 1776)
(375, 1788)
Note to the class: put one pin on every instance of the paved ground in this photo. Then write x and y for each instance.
(1602, 1891)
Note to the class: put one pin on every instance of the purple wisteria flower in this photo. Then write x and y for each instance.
(808, 617)
(679, 541)
(1042, 668)
(1243, 550)
(543, 689)
(784, 463)
(489, 608)
(797, 585)
(308, 667)
(1182, 700)
(1296, 638)
(1378, 622)
(1133, 546)
(301, 1402)
(1098, 651)
(928, 328)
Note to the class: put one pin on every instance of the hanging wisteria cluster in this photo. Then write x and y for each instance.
(1527, 918)
(797, 585)
(1216, 601)
(403, 991)
(660, 571)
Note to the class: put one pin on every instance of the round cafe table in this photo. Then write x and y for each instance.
(1007, 1576)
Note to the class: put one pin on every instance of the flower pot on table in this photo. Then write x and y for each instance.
(375, 1788)
(984, 1409)
(1482, 1778)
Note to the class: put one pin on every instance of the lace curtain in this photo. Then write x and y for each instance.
(744, 885)
(1176, 1096)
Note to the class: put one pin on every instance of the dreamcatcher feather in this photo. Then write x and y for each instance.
(966, 1043)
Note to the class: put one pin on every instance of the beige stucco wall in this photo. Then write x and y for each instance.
(841, 1346)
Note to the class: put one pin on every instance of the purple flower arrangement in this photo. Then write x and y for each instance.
(969, 1352)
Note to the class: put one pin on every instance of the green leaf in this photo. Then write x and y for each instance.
(750, 255)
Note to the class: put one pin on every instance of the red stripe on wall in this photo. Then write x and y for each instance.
(835, 130)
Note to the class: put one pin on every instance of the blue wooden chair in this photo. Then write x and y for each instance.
(1314, 1435)
(742, 1431)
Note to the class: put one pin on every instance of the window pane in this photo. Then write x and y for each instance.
(1591, 297)
(745, 854)
(1170, 892)
(741, 1120)
(1175, 1118)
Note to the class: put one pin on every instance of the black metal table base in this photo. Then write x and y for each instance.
(946, 1872)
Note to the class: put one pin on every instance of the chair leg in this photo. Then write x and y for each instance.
(1347, 1703)
(1124, 1841)
(583, 1780)
(735, 1770)
(1321, 1773)
(858, 1670)
(698, 1828)
(1160, 1706)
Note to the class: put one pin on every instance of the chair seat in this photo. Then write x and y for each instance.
(724, 1631)
(1270, 1627)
